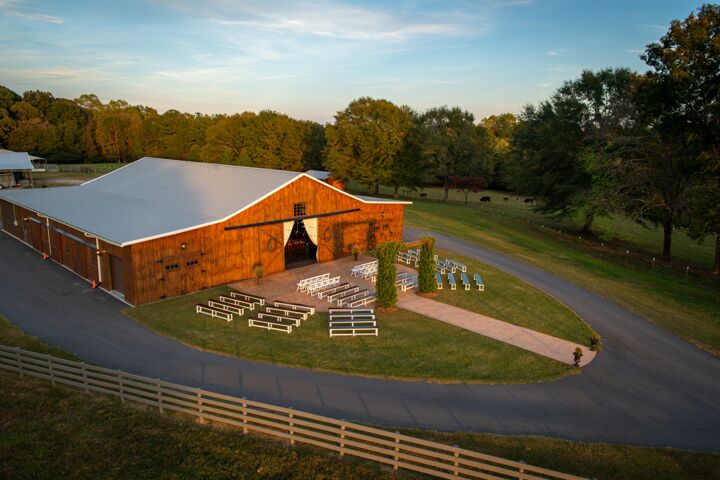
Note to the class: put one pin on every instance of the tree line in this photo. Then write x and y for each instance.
(611, 141)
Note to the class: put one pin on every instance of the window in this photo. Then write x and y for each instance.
(299, 209)
(192, 263)
(172, 266)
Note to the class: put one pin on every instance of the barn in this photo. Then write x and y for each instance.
(159, 228)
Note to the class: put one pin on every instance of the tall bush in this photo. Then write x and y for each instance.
(386, 291)
(426, 266)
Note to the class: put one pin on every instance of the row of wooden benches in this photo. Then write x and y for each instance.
(463, 278)
(352, 322)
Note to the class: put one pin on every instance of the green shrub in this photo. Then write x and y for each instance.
(426, 266)
(385, 286)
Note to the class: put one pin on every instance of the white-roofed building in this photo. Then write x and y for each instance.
(14, 167)
(158, 228)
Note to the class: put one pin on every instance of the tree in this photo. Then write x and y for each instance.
(466, 185)
(426, 266)
(704, 208)
(365, 141)
(385, 285)
(452, 145)
(553, 142)
(500, 130)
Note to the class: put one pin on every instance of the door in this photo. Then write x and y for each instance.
(117, 275)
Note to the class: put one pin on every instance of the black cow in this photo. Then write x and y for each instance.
(423, 195)
(505, 198)
(486, 199)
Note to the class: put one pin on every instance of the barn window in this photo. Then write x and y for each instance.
(192, 263)
(299, 209)
(172, 266)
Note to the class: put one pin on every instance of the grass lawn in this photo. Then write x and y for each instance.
(59, 432)
(509, 299)
(660, 294)
(409, 346)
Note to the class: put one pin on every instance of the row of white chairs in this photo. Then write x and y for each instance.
(304, 284)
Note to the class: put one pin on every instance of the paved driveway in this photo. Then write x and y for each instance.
(647, 387)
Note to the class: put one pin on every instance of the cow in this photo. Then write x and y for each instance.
(506, 198)
(486, 199)
(423, 195)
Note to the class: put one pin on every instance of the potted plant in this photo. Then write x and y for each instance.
(594, 341)
(577, 355)
(259, 271)
(355, 252)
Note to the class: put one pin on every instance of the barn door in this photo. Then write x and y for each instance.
(117, 276)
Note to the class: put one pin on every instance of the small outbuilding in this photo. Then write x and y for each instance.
(14, 168)
(159, 228)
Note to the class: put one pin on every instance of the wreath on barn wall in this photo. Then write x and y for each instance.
(328, 234)
(272, 244)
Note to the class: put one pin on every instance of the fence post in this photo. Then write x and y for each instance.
(84, 374)
(456, 454)
(292, 431)
(121, 382)
(200, 409)
(159, 395)
(50, 367)
(19, 360)
(342, 438)
(244, 415)
(397, 450)
(521, 470)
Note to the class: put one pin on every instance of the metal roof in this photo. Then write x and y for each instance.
(15, 161)
(319, 174)
(154, 197)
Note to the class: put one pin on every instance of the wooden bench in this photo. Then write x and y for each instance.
(440, 268)
(353, 323)
(451, 279)
(236, 302)
(351, 311)
(351, 316)
(227, 307)
(457, 265)
(465, 280)
(342, 293)
(288, 313)
(295, 322)
(269, 325)
(362, 301)
(479, 282)
(213, 312)
(353, 331)
(447, 266)
(347, 299)
(248, 298)
(296, 306)
(332, 289)
(438, 280)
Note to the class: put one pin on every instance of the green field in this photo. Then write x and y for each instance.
(690, 309)
(409, 346)
(618, 231)
(509, 299)
(51, 432)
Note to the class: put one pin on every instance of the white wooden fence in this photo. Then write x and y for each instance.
(345, 438)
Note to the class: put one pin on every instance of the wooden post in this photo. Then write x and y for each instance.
(121, 382)
(244, 415)
(342, 439)
(397, 450)
(18, 360)
(456, 454)
(50, 367)
(84, 374)
(292, 431)
(200, 409)
(159, 396)
(521, 470)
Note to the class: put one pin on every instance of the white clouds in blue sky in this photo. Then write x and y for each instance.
(310, 58)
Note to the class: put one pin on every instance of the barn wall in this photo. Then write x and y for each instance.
(212, 256)
(74, 255)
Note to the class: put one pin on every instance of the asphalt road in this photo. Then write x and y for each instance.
(646, 388)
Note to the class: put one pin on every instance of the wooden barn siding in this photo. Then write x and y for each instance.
(226, 256)
(79, 258)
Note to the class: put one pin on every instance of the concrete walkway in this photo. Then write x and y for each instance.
(536, 342)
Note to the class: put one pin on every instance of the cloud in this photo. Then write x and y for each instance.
(39, 17)
(556, 52)
(636, 51)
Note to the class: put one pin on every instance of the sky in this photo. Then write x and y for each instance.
(309, 59)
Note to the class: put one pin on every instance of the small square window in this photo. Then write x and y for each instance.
(172, 266)
(299, 209)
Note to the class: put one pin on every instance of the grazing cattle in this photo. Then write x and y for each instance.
(505, 198)
(423, 195)
(486, 199)
(529, 200)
